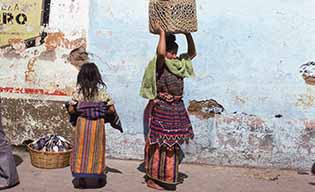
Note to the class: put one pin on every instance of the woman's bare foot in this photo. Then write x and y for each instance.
(152, 184)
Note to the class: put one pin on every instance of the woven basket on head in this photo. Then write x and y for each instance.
(175, 16)
(49, 160)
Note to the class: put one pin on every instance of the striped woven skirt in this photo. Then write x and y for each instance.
(88, 153)
(162, 163)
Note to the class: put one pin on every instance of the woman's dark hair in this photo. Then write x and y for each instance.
(171, 45)
(88, 80)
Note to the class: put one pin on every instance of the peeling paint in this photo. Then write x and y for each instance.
(49, 55)
(308, 72)
(240, 100)
(309, 124)
(54, 40)
(41, 69)
(256, 123)
(78, 56)
(205, 109)
(30, 72)
(305, 101)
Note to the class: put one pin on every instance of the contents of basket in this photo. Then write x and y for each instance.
(308, 72)
(51, 143)
(174, 16)
(50, 152)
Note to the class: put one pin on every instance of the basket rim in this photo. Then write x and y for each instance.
(47, 152)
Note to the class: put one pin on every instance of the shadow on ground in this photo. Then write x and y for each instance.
(181, 176)
(93, 183)
(112, 170)
(18, 160)
(89, 183)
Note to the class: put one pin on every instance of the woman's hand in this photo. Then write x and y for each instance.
(157, 27)
(155, 101)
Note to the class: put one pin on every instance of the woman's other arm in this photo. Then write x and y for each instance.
(191, 50)
(161, 47)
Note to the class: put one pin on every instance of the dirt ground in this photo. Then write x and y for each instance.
(127, 175)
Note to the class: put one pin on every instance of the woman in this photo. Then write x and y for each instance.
(92, 104)
(165, 115)
(8, 173)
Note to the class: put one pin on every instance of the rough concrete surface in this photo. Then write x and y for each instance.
(230, 139)
(125, 175)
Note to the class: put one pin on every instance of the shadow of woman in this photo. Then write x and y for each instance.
(89, 182)
(141, 167)
(181, 177)
(112, 170)
(18, 160)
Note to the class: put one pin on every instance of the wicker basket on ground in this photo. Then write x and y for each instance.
(175, 16)
(49, 160)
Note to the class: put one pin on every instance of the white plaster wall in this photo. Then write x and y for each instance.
(69, 17)
(69, 20)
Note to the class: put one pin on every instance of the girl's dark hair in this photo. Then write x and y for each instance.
(88, 80)
(171, 45)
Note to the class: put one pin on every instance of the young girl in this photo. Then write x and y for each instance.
(92, 104)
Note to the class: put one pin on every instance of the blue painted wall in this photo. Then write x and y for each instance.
(249, 54)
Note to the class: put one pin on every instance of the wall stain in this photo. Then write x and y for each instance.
(255, 123)
(305, 101)
(309, 124)
(49, 55)
(307, 71)
(35, 119)
(54, 40)
(30, 74)
(78, 57)
(240, 100)
(205, 109)
(15, 49)
(18, 45)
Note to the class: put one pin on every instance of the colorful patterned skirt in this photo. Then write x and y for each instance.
(167, 123)
(161, 163)
(88, 154)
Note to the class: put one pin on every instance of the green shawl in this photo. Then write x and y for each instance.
(180, 67)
